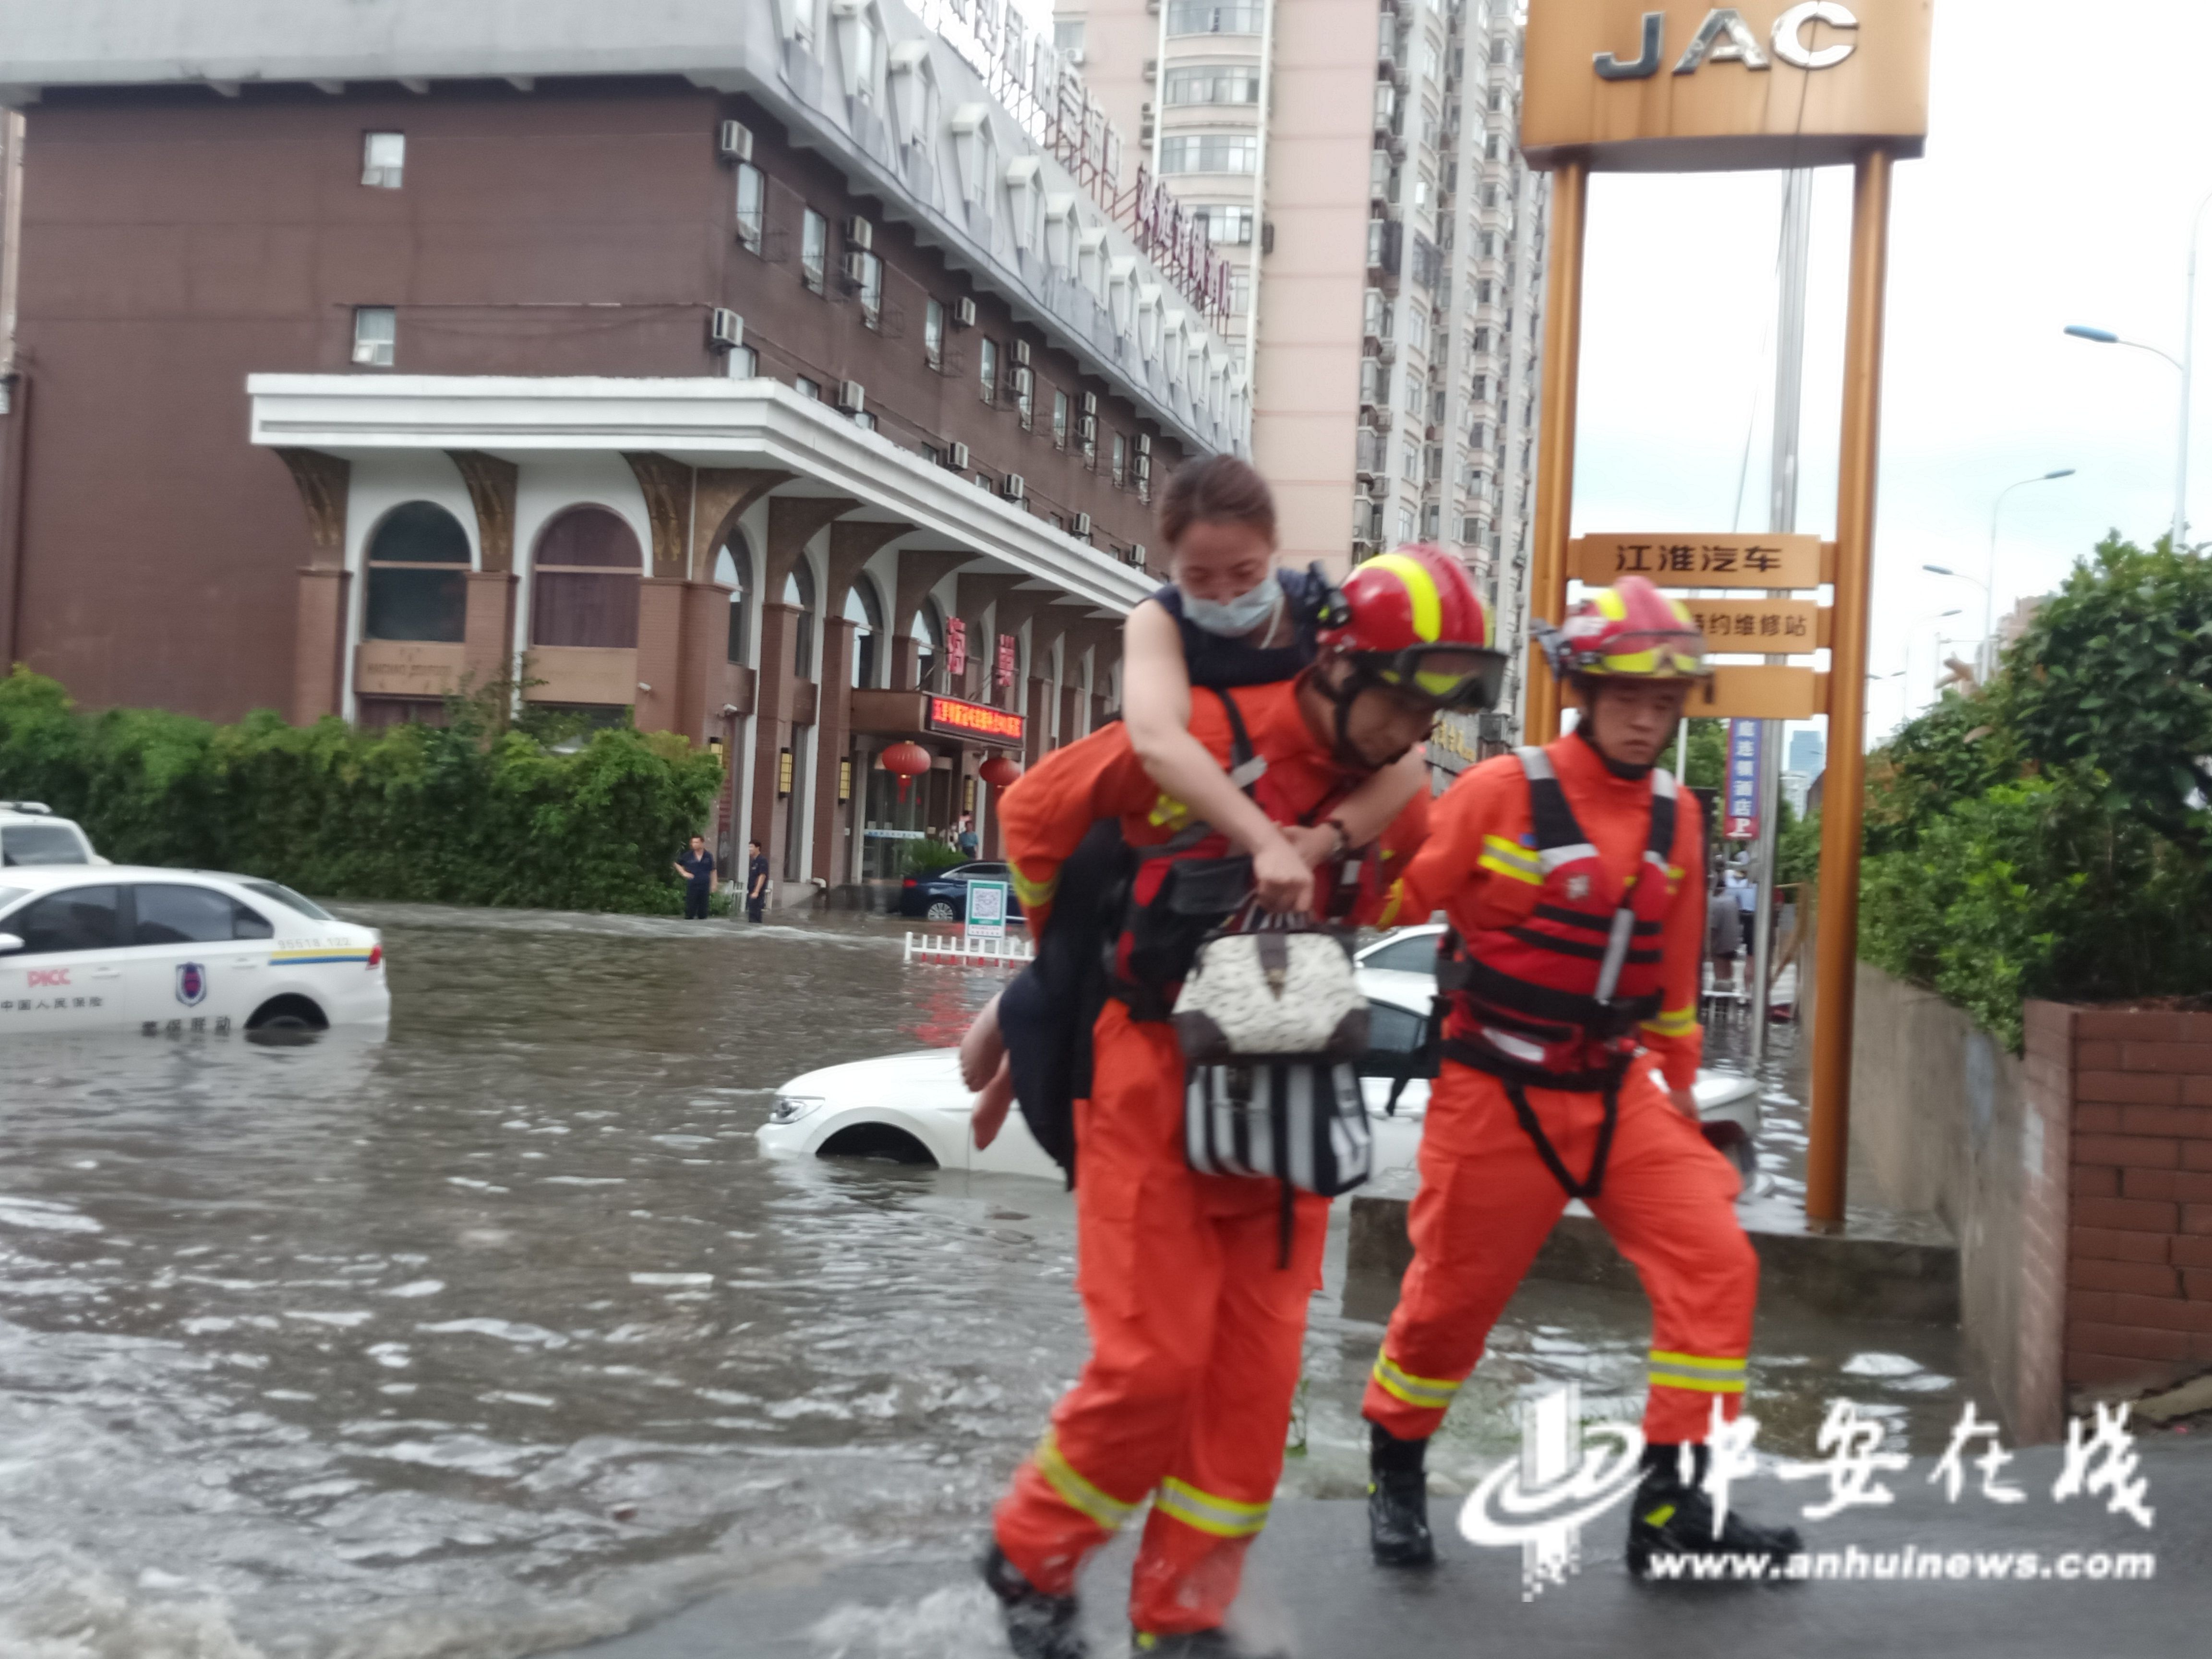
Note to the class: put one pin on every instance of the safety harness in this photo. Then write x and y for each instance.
(1552, 1001)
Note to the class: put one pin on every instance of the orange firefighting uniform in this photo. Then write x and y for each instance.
(1486, 1201)
(1197, 1322)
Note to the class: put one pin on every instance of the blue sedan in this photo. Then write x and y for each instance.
(942, 895)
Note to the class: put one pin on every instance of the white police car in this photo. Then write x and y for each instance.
(178, 953)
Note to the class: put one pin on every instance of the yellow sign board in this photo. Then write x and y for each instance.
(1758, 691)
(1668, 86)
(1703, 561)
(1777, 627)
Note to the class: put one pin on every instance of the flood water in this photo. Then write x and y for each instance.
(497, 1334)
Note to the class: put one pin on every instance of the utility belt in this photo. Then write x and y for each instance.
(1517, 1079)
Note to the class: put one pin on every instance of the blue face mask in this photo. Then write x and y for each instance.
(1230, 619)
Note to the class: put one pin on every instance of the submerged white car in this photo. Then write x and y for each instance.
(178, 953)
(914, 1109)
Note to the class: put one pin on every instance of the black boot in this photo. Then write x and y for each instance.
(1398, 1500)
(1215, 1643)
(1038, 1626)
(1674, 1516)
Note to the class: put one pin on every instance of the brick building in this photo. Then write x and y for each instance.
(781, 374)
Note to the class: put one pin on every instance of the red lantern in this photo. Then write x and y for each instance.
(906, 762)
(998, 771)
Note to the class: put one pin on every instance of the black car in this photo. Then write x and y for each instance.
(942, 895)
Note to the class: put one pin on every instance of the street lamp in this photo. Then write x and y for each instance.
(2184, 362)
(1989, 587)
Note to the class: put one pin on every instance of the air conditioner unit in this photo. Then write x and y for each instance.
(1142, 469)
(1152, 68)
(726, 329)
(1086, 431)
(860, 234)
(851, 396)
(1137, 554)
(1090, 403)
(1081, 527)
(1023, 381)
(1144, 443)
(1022, 353)
(736, 143)
(956, 456)
(1013, 488)
(854, 268)
(964, 313)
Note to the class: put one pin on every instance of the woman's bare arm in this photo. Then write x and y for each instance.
(1156, 707)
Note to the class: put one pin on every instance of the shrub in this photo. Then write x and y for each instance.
(927, 857)
(463, 814)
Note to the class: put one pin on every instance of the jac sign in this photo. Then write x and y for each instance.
(1632, 87)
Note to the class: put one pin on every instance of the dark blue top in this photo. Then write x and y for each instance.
(697, 867)
(1220, 663)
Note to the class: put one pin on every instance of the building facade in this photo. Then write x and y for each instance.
(794, 377)
(1392, 315)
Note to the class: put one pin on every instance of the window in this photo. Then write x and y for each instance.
(383, 159)
(1059, 420)
(1416, 954)
(1429, 65)
(418, 582)
(1067, 36)
(1207, 17)
(1482, 339)
(807, 387)
(585, 581)
(734, 569)
(925, 633)
(1431, 521)
(42, 843)
(1498, 98)
(1025, 396)
(1210, 152)
(865, 612)
(77, 919)
(752, 206)
(799, 594)
(1226, 226)
(1417, 328)
(872, 290)
(278, 892)
(1436, 409)
(1405, 524)
(1470, 528)
(813, 249)
(375, 335)
(1214, 83)
(1414, 400)
(1409, 465)
(170, 913)
(986, 367)
(1240, 292)
(1121, 458)
(932, 333)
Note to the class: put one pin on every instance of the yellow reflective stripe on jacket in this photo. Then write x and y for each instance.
(1429, 1393)
(1168, 813)
(1074, 1490)
(1673, 1021)
(1033, 892)
(1509, 858)
(1391, 904)
(1224, 1518)
(1706, 1373)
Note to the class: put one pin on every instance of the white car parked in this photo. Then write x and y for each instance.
(914, 1109)
(31, 834)
(174, 952)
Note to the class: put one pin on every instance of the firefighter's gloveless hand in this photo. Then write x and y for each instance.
(1686, 1103)
(1317, 843)
(990, 1114)
(1281, 878)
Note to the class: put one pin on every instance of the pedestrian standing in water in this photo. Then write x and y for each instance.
(755, 881)
(696, 866)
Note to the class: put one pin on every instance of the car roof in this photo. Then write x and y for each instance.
(9, 814)
(38, 877)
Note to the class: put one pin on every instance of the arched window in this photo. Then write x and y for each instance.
(865, 612)
(928, 631)
(585, 581)
(418, 565)
(734, 568)
(798, 593)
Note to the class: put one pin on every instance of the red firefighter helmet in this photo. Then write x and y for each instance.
(1410, 621)
(1628, 631)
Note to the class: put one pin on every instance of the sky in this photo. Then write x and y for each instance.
(2067, 147)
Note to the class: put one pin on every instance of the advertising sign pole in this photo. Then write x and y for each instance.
(1555, 439)
(1842, 804)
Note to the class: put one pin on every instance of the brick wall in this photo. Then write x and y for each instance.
(2139, 1268)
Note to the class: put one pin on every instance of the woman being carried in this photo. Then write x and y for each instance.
(1226, 617)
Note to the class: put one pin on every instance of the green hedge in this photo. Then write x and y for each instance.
(464, 814)
(2047, 836)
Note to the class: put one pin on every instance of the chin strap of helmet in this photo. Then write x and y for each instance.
(1357, 678)
(1620, 770)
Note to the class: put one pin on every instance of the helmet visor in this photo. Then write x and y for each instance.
(1651, 653)
(1455, 676)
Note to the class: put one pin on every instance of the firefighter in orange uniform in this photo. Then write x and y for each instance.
(1571, 875)
(1194, 1286)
